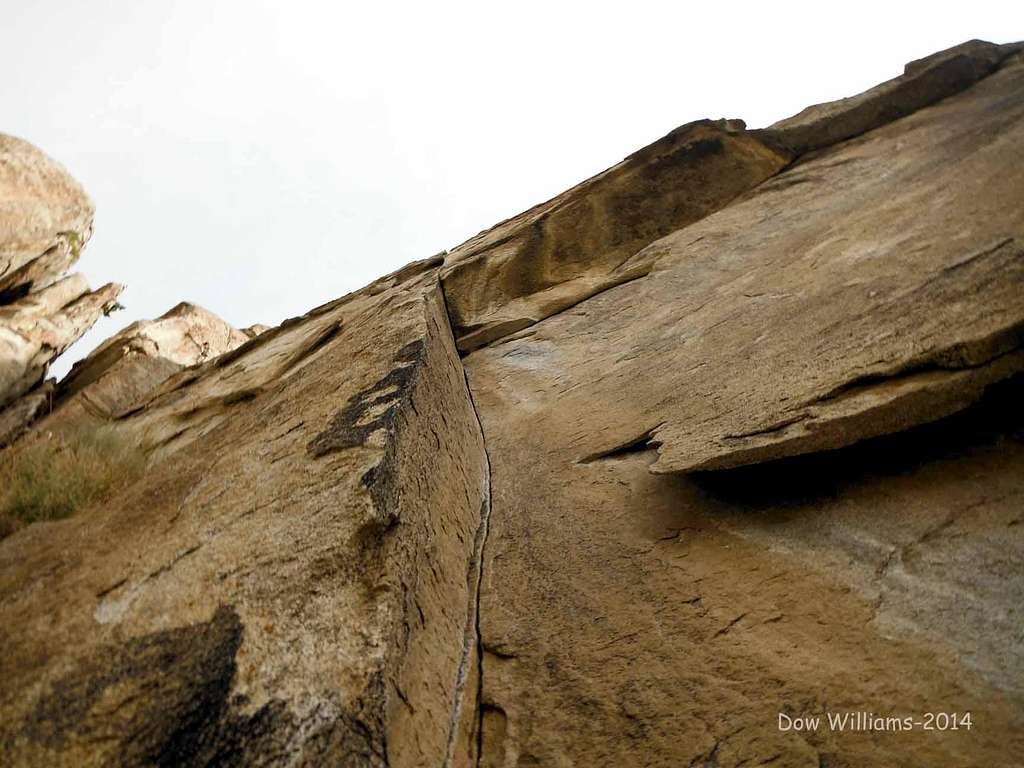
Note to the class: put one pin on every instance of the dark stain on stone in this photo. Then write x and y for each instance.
(164, 699)
(703, 148)
(15, 292)
(353, 425)
(161, 697)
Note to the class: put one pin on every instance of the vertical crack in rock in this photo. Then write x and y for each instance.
(850, 290)
(485, 529)
(472, 640)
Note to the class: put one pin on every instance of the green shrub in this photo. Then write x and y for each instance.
(53, 477)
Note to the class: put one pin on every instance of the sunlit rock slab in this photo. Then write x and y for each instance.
(667, 617)
(873, 287)
(291, 582)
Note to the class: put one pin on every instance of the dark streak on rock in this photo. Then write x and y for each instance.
(162, 696)
(165, 699)
(348, 428)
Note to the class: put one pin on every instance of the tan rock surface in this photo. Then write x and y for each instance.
(630, 615)
(40, 326)
(340, 554)
(923, 82)
(186, 335)
(873, 287)
(634, 618)
(125, 369)
(16, 418)
(255, 330)
(297, 587)
(44, 213)
(576, 245)
(45, 221)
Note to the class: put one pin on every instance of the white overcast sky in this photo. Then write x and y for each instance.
(260, 158)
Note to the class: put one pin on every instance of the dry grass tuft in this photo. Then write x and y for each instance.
(53, 477)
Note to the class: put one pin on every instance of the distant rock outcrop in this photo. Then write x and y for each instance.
(735, 433)
(45, 221)
(125, 368)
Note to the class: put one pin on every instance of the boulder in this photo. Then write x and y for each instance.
(45, 217)
(45, 221)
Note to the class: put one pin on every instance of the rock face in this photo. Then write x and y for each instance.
(874, 287)
(295, 577)
(579, 244)
(40, 326)
(45, 217)
(45, 221)
(923, 82)
(16, 418)
(830, 279)
(736, 434)
(129, 366)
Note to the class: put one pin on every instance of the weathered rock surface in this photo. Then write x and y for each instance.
(298, 586)
(874, 287)
(253, 331)
(16, 418)
(44, 214)
(120, 373)
(638, 618)
(578, 244)
(45, 221)
(923, 82)
(742, 435)
(186, 335)
(38, 327)
(626, 613)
